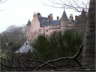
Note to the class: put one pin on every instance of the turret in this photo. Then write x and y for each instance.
(64, 16)
(83, 13)
(81, 22)
(35, 16)
(64, 21)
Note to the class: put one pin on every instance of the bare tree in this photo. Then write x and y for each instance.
(89, 42)
(15, 34)
(89, 39)
(76, 5)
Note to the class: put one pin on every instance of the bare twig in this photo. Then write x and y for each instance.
(53, 5)
(68, 4)
(1, 1)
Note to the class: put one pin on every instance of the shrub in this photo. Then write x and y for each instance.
(59, 44)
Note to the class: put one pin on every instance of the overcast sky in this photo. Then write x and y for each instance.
(18, 12)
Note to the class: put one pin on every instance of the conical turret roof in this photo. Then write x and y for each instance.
(83, 13)
(64, 16)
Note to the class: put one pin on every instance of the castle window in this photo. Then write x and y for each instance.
(46, 30)
(46, 35)
(40, 30)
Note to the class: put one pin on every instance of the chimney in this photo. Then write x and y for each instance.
(49, 17)
(76, 17)
(71, 16)
(39, 15)
(57, 17)
(34, 13)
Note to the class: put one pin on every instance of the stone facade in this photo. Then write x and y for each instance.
(81, 22)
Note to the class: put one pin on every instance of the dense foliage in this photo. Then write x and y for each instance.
(59, 44)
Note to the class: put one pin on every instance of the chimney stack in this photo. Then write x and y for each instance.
(49, 17)
(57, 17)
(76, 17)
(34, 14)
(71, 16)
(39, 14)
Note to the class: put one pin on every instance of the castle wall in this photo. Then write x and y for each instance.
(80, 25)
(33, 29)
(64, 24)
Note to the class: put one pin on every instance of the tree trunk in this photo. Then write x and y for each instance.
(89, 40)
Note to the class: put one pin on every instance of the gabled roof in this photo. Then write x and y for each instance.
(42, 19)
(64, 15)
(45, 22)
(25, 48)
(50, 22)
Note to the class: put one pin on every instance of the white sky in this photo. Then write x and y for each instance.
(18, 12)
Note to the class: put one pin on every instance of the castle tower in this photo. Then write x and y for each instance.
(28, 30)
(64, 21)
(35, 16)
(81, 23)
(33, 28)
(83, 14)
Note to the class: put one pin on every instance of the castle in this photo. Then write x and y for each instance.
(46, 25)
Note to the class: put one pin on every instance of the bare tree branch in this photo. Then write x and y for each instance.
(69, 4)
(53, 5)
(1, 1)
